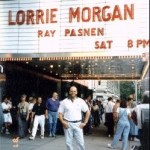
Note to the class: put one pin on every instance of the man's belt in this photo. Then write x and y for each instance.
(52, 111)
(5, 111)
(73, 121)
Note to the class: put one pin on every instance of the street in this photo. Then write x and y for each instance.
(96, 141)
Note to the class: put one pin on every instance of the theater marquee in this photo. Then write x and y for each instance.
(47, 26)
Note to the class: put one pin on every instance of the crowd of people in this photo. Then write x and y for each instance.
(28, 110)
(73, 117)
(129, 126)
(30, 115)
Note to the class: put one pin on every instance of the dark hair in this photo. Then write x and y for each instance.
(118, 101)
(88, 96)
(129, 99)
(145, 99)
(4, 97)
(23, 95)
(123, 104)
(94, 102)
(109, 98)
(38, 97)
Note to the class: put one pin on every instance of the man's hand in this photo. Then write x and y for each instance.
(32, 119)
(82, 125)
(27, 118)
(65, 124)
(46, 116)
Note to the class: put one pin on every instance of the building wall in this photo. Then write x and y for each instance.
(106, 88)
(145, 83)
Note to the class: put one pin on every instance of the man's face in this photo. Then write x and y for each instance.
(131, 101)
(55, 95)
(73, 92)
(39, 100)
(23, 98)
(30, 99)
(6, 100)
(89, 98)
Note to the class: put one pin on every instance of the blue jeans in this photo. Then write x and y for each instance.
(22, 127)
(52, 117)
(123, 128)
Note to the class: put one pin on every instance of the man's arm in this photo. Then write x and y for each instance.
(33, 113)
(27, 109)
(64, 123)
(87, 115)
(46, 113)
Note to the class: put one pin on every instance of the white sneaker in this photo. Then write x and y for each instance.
(136, 139)
(2, 130)
(31, 138)
(54, 135)
(42, 136)
(132, 147)
(109, 146)
(7, 132)
(109, 135)
(50, 135)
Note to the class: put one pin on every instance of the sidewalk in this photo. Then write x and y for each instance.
(95, 141)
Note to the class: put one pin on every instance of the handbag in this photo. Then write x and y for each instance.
(134, 117)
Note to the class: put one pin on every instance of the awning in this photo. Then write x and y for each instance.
(124, 67)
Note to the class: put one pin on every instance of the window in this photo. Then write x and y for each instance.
(99, 82)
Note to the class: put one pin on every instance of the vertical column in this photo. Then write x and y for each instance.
(59, 88)
(2, 81)
(118, 89)
(135, 91)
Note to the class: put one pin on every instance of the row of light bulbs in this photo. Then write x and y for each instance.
(86, 57)
(16, 59)
(66, 58)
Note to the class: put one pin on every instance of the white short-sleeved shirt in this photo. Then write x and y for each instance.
(138, 110)
(6, 106)
(72, 110)
(31, 106)
(109, 107)
(7, 116)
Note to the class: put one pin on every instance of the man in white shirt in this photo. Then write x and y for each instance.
(70, 110)
(109, 121)
(6, 106)
(138, 110)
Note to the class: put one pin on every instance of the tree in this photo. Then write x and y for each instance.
(126, 88)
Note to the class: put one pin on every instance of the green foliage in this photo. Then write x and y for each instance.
(139, 97)
(126, 88)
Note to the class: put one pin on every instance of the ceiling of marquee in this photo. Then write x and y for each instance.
(101, 69)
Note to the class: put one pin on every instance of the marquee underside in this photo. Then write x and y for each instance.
(83, 67)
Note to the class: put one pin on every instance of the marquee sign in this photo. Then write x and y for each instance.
(47, 26)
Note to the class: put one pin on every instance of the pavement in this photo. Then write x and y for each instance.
(95, 141)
